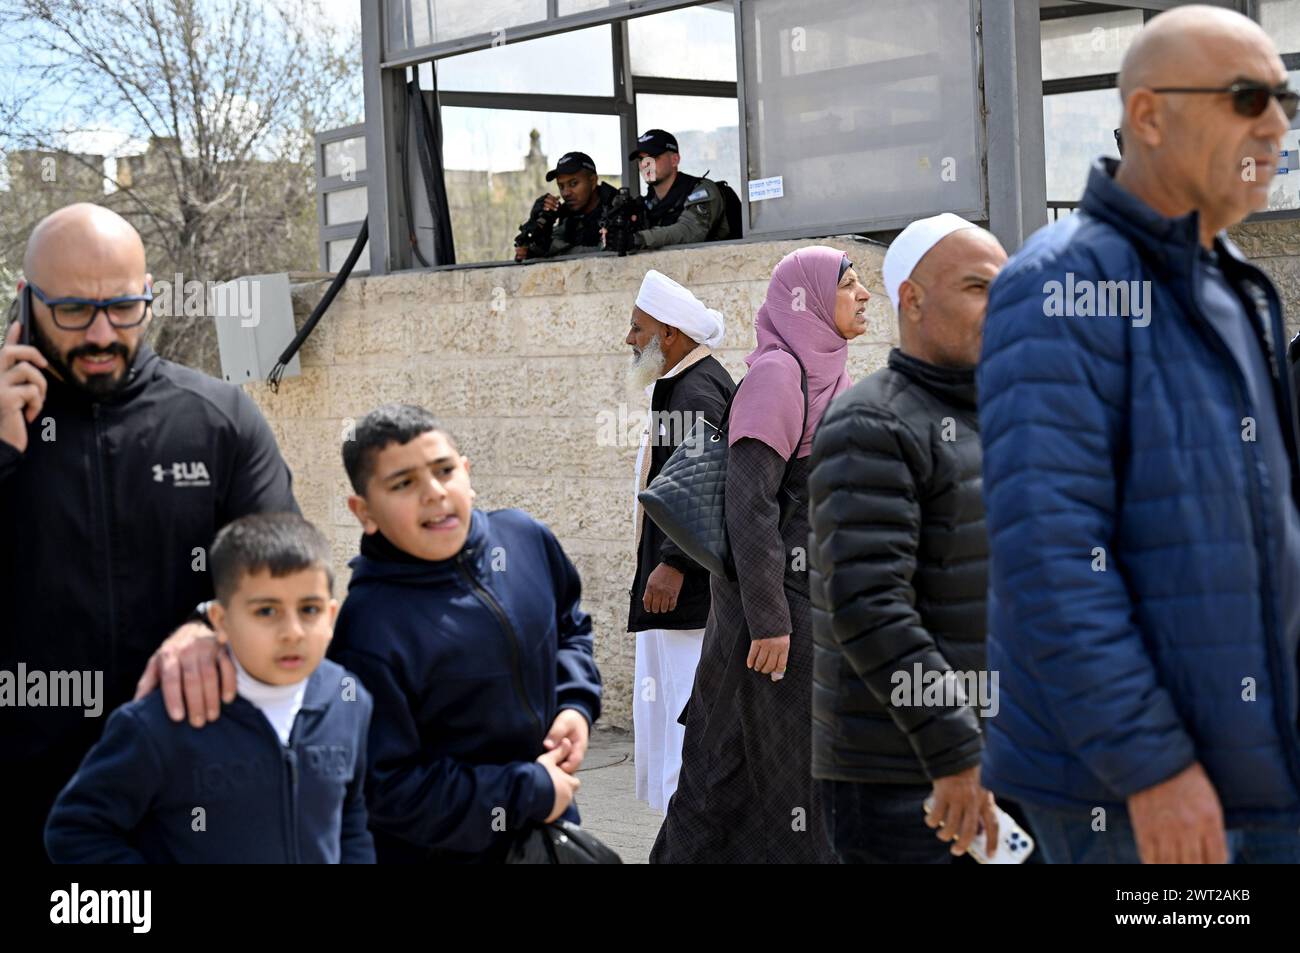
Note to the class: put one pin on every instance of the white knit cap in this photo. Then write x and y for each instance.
(667, 301)
(911, 245)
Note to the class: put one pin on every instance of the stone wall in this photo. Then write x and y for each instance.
(525, 366)
(1275, 247)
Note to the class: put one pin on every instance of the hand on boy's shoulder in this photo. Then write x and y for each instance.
(195, 673)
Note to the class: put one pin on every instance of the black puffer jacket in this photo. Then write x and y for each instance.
(899, 568)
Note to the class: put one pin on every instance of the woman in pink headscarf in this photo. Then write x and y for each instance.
(745, 794)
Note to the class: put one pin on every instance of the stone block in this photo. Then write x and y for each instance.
(372, 336)
(497, 387)
(471, 328)
(302, 396)
(309, 441)
(866, 359)
(541, 497)
(356, 390)
(442, 385)
(313, 489)
(601, 509)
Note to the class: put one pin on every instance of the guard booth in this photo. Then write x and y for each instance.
(827, 117)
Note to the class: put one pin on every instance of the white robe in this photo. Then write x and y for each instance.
(665, 671)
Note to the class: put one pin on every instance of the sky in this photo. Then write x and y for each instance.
(110, 135)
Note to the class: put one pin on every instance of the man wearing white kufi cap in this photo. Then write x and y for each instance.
(672, 336)
(899, 565)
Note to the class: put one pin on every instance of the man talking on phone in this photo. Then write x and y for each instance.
(117, 468)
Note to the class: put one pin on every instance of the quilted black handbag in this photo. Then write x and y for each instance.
(562, 842)
(685, 499)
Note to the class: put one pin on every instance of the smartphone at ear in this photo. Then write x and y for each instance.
(25, 315)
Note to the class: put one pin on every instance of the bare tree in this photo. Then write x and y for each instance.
(226, 93)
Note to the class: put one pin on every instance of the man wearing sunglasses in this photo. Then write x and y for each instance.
(1142, 483)
(117, 468)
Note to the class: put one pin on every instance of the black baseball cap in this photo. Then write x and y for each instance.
(655, 142)
(571, 162)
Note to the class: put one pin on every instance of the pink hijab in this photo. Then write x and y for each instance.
(797, 319)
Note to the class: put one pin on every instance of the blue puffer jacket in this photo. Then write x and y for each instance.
(1105, 437)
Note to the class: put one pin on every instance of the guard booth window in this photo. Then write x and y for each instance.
(1281, 20)
(860, 117)
(510, 111)
(496, 162)
(1083, 46)
(1081, 107)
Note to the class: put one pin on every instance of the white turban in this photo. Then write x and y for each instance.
(911, 245)
(667, 301)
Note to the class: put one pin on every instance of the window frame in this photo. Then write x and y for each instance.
(1100, 81)
(337, 183)
(868, 226)
(621, 104)
(1290, 60)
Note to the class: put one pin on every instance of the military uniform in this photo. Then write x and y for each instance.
(573, 233)
(693, 210)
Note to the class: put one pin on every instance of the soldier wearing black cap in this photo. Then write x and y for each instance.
(680, 208)
(571, 225)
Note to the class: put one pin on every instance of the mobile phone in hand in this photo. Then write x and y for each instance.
(1014, 843)
(25, 315)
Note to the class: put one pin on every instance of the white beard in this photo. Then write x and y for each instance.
(647, 367)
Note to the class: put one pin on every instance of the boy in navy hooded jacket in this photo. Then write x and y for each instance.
(278, 778)
(466, 628)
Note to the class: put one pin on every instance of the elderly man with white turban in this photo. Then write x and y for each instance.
(672, 337)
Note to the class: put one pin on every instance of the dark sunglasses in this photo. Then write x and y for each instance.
(1249, 97)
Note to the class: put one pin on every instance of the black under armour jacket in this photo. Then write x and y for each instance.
(105, 522)
(898, 573)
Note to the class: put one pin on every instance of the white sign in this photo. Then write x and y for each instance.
(770, 188)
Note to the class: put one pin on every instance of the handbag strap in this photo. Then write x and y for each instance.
(803, 385)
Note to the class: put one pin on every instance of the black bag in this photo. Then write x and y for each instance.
(562, 842)
(686, 498)
(731, 201)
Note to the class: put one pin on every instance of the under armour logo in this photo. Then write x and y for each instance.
(183, 474)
